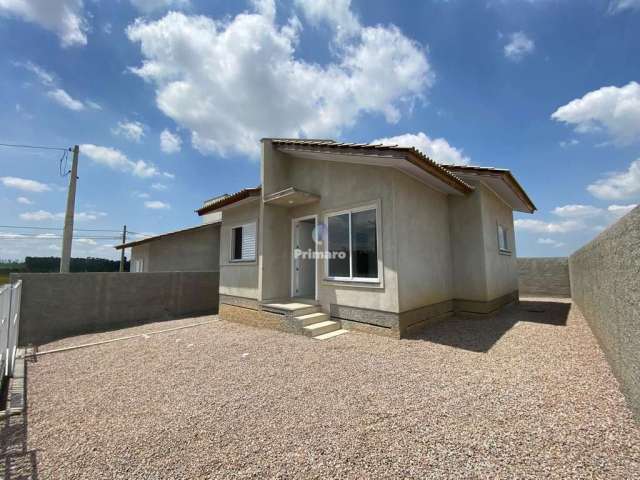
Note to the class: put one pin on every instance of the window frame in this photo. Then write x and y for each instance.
(232, 243)
(351, 278)
(503, 235)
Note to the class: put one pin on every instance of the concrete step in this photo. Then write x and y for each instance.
(327, 336)
(292, 308)
(321, 328)
(312, 318)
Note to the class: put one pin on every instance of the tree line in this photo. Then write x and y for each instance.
(52, 264)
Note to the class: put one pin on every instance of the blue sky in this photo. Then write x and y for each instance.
(168, 99)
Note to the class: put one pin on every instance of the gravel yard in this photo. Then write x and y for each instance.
(525, 394)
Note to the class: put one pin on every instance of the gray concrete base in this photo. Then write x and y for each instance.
(389, 324)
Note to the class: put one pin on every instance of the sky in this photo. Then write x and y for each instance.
(168, 100)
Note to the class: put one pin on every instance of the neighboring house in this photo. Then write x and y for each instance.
(365, 236)
(192, 249)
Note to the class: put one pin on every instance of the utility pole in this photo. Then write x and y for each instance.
(67, 236)
(124, 240)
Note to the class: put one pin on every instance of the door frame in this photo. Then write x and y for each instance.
(293, 262)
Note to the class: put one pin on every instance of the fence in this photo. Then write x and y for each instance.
(544, 277)
(58, 305)
(10, 296)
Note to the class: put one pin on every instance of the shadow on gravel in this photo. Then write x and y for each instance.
(16, 461)
(480, 334)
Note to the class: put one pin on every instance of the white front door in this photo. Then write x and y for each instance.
(304, 263)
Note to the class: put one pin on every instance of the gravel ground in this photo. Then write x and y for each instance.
(526, 394)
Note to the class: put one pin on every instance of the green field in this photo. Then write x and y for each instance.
(4, 278)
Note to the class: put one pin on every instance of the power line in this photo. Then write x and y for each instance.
(60, 228)
(39, 147)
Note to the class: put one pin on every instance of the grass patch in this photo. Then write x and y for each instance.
(4, 278)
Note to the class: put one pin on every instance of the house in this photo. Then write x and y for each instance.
(193, 249)
(372, 237)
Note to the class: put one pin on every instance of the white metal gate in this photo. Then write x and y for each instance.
(9, 325)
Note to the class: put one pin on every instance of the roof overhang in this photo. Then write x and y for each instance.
(501, 182)
(407, 160)
(165, 235)
(243, 196)
(291, 197)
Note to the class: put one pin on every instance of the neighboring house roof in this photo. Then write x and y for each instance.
(164, 235)
(499, 179)
(410, 154)
(224, 200)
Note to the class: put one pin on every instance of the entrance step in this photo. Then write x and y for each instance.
(312, 318)
(321, 328)
(327, 336)
(291, 308)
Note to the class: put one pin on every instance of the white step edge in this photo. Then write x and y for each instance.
(327, 336)
(321, 327)
(312, 318)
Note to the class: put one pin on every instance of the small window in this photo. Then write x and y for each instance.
(503, 239)
(353, 245)
(243, 242)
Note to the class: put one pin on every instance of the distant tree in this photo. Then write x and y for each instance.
(89, 264)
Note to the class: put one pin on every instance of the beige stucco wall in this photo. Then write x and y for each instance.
(480, 271)
(421, 224)
(238, 278)
(191, 251)
(501, 268)
(469, 272)
(340, 186)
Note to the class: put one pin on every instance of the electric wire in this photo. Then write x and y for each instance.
(38, 147)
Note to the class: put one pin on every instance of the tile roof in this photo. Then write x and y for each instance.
(414, 155)
(168, 234)
(508, 176)
(224, 200)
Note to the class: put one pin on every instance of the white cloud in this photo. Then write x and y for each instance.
(550, 241)
(148, 6)
(618, 185)
(539, 226)
(615, 110)
(116, 160)
(142, 195)
(438, 149)
(519, 46)
(64, 99)
(24, 184)
(159, 186)
(57, 94)
(156, 205)
(43, 76)
(133, 131)
(170, 142)
(168, 175)
(63, 17)
(85, 216)
(617, 6)
(621, 210)
(337, 13)
(577, 211)
(233, 82)
(569, 143)
(24, 201)
(10, 235)
(93, 105)
(42, 215)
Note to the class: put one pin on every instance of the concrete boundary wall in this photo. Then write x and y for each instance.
(57, 305)
(544, 277)
(605, 285)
